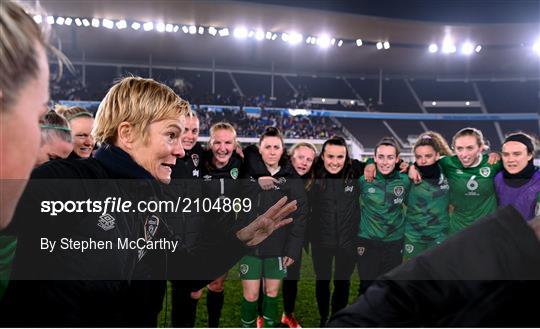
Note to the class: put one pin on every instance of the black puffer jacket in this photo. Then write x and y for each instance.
(335, 211)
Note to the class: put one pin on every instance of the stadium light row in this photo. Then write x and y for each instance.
(449, 47)
(292, 38)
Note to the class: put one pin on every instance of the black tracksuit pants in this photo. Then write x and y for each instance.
(343, 267)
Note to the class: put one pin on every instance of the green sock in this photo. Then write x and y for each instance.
(248, 313)
(270, 311)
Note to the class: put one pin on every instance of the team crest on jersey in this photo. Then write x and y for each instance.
(244, 268)
(195, 159)
(371, 190)
(349, 188)
(195, 173)
(234, 173)
(485, 171)
(282, 180)
(150, 227)
(459, 171)
(409, 248)
(398, 190)
(207, 178)
(106, 222)
(360, 250)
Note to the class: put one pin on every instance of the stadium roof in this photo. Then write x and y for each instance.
(505, 47)
(445, 11)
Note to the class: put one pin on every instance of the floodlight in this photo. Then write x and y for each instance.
(135, 25)
(478, 48)
(359, 42)
(536, 47)
(85, 22)
(121, 24)
(212, 31)
(201, 30)
(295, 38)
(38, 19)
(240, 32)
(340, 43)
(160, 27)
(68, 21)
(95, 22)
(386, 45)
(148, 26)
(259, 35)
(78, 21)
(379, 45)
(60, 20)
(433, 48)
(192, 29)
(467, 48)
(448, 46)
(323, 41)
(223, 32)
(50, 20)
(107, 23)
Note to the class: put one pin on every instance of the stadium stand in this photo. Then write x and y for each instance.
(511, 96)
(443, 91)
(196, 86)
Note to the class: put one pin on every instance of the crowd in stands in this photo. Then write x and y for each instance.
(70, 87)
(253, 126)
(189, 87)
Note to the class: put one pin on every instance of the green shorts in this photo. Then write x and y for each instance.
(412, 249)
(254, 268)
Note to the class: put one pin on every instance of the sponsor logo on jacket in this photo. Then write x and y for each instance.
(398, 192)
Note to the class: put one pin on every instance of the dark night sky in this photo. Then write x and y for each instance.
(458, 11)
